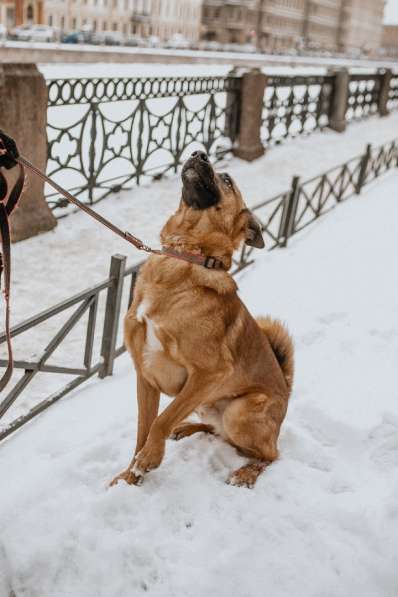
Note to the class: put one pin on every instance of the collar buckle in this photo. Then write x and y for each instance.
(212, 263)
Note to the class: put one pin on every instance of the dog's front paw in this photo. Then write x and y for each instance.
(247, 475)
(148, 458)
(129, 477)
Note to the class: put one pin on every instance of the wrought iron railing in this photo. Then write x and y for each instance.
(392, 102)
(106, 340)
(105, 135)
(295, 105)
(363, 96)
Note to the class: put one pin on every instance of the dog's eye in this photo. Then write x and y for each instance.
(227, 179)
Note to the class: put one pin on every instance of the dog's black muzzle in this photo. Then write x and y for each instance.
(199, 185)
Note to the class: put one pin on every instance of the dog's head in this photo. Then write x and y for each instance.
(212, 204)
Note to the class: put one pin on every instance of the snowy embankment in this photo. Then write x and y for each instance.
(321, 522)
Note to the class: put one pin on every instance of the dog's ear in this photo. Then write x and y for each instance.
(254, 236)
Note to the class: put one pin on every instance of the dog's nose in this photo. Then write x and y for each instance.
(200, 155)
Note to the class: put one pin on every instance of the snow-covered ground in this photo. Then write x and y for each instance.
(321, 522)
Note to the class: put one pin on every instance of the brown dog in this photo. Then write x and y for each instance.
(191, 337)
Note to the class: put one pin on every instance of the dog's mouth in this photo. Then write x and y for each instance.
(199, 185)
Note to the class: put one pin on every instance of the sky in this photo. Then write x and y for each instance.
(391, 12)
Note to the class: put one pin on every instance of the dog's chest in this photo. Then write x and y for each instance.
(158, 366)
(152, 342)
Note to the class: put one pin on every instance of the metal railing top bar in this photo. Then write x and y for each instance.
(64, 92)
(52, 311)
(288, 80)
(63, 306)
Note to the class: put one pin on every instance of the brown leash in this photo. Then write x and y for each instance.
(197, 259)
(10, 157)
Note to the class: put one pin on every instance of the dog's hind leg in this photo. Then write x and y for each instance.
(252, 424)
(187, 428)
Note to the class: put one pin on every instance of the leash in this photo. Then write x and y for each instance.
(7, 205)
(208, 262)
(9, 157)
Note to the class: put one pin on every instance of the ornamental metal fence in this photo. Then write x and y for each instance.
(95, 314)
(294, 105)
(106, 135)
(392, 102)
(363, 96)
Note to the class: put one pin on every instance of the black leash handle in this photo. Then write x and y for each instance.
(8, 202)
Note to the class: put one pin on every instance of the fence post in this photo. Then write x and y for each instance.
(289, 211)
(339, 104)
(112, 314)
(363, 169)
(23, 115)
(384, 91)
(232, 104)
(249, 145)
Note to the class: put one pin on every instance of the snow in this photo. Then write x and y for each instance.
(139, 69)
(321, 522)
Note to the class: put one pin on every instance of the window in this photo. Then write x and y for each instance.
(50, 20)
(29, 13)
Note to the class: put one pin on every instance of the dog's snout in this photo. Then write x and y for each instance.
(200, 155)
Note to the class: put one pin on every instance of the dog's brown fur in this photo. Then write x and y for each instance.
(192, 338)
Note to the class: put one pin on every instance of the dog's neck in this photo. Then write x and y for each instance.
(214, 245)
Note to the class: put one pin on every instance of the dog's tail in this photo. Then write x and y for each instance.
(282, 345)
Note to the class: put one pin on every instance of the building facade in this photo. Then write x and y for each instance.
(167, 18)
(18, 12)
(229, 22)
(361, 26)
(163, 18)
(7, 13)
(390, 40)
(280, 25)
(322, 24)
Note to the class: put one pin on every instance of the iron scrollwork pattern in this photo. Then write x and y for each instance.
(392, 103)
(363, 96)
(123, 132)
(295, 105)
